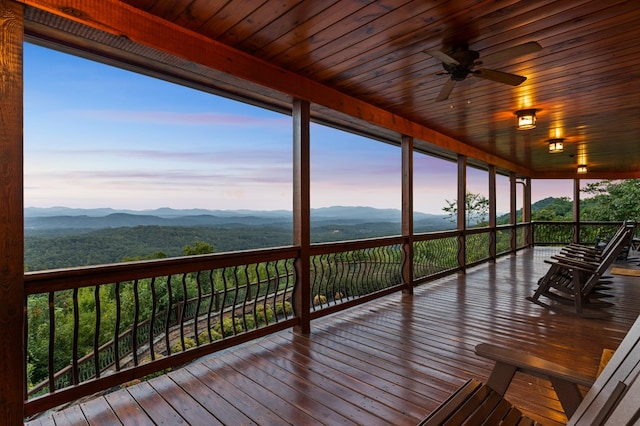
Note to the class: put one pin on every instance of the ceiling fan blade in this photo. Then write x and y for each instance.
(512, 52)
(499, 76)
(446, 90)
(443, 57)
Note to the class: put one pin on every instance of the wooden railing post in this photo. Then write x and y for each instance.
(407, 213)
(492, 212)
(526, 212)
(302, 214)
(462, 211)
(12, 351)
(513, 212)
(576, 211)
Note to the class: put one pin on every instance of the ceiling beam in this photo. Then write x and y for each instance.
(123, 20)
(588, 175)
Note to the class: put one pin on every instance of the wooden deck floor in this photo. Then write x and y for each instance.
(388, 362)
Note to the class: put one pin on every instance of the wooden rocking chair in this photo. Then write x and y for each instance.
(574, 278)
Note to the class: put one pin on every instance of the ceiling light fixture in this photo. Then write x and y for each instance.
(526, 119)
(582, 168)
(556, 145)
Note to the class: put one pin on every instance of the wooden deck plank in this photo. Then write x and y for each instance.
(391, 361)
(71, 416)
(251, 408)
(276, 403)
(369, 399)
(98, 411)
(127, 408)
(403, 376)
(156, 406)
(44, 421)
(226, 413)
(296, 386)
(189, 409)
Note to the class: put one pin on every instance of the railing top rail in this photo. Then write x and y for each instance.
(426, 236)
(478, 230)
(513, 225)
(340, 246)
(69, 278)
(570, 222)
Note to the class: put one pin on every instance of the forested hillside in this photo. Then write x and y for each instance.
(61, 238)
(125, 243)
(118, 244)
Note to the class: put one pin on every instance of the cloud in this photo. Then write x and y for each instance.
(226, 157)
(186, 118)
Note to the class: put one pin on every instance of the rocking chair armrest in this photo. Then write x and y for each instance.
(532, 364)
(570, 265)
(580, 255)
(583, 263)
(581, 247)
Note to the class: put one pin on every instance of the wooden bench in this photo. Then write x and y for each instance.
(613, 398)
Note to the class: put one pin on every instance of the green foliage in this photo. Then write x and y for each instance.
(113, 245)
(612, 200)
(476, 209)
(228, 325)
(156, 255)
(248, 322)
(284, 307)
(199, 247)
(204, 337)
(319, 299)
(553, 209)
(188, 344)
(264, 315)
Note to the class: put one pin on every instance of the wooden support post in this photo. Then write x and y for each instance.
(576, 211)
(513, 216)
(462, 211)
(407, 214)
(492, 213)
(302, 213)
(12, 352)
(526, 213)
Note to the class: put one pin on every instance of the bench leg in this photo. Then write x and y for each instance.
(568, 394)
(501, 377)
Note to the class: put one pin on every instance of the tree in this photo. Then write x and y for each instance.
(476, 208)
(613, 200)
(554, 209)
(199, 247)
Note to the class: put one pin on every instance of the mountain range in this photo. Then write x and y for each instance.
(90, 219)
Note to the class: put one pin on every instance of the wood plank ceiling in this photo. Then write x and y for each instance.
(585, 81)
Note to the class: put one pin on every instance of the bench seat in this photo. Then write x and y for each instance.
(475, 403)
(613, 398)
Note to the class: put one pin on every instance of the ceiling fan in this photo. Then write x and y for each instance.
(462, 62)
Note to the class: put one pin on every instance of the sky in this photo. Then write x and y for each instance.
(98, 136)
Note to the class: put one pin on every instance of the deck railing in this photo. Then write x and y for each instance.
(435, 254)
(347, 272)
(106, 325)
(95, 327)
(561, 233)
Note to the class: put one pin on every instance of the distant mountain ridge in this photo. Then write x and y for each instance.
(70, 218)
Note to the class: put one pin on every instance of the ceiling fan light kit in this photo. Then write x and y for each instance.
(526, 119)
